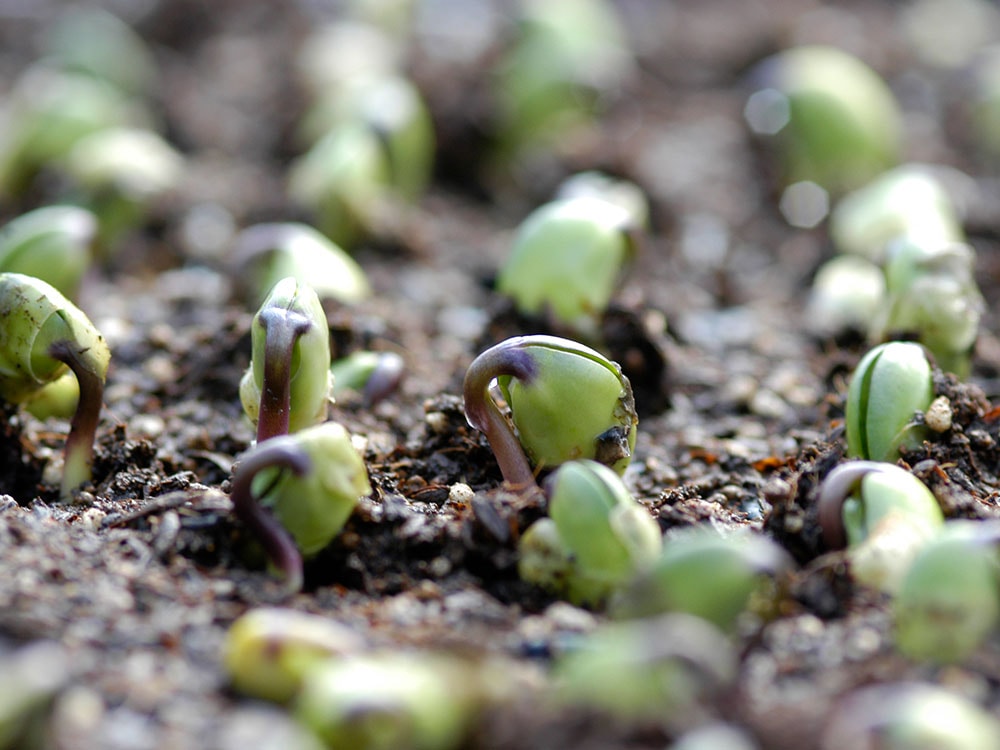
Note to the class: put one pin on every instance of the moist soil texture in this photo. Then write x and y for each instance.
(118, 602)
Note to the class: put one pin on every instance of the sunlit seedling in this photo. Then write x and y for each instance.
(847, 293)
(932, 295)
(264, 254)
(890, 385)
(949, 600)
(910, 716)
(704, 573)
(662, 669)
(296, 492)
(595, 539)
(622, 193)
(568, 62)
(288, 384)
(119, 173)
(268, 651)
(567, 258)
(41, 337)
(909, 202)
(372, 375)
(47, 112)
(832, 119)
(565, 402)
(53, 243)
(883, 514)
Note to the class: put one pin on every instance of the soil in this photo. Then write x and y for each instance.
(125, 595)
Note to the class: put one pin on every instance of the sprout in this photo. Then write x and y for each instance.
(621, 193)
(388, 701)
(287, 386)
(310, 482)
(595, 539)
(949, 599)
(119, 173)
(847, 293)
(393, 109)
(263, 254)
(47, 113)
(908, 201)
(883, 514)
(703, 573)
(567, 259)
(566, 402)
(374, 158)
(909, 716)
(569, 60)
(835, 121)
(52, 243)
(932, 293)
(42, 335)
(891, 384)
(662, 669)
(92, 41)
(268, 652)
(374, 375)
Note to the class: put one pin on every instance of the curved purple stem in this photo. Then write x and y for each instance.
(78, 457)
(835, 490)
(282, 328)
(506, 358)
(280, 452)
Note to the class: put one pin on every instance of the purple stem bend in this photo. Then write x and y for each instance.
(282, 329)
(78, 460)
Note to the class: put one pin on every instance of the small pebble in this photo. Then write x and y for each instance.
(939, 414)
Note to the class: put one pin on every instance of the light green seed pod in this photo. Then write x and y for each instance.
(835, 121)
(291, 351)
(609, 537)
(567, 259)
(932, 292)
(949, 600)
(387, 702)
(703, 573)
(576, 404)
(268, 652)
(891, 383)
(657, 669)
(43, 335)
(264, 254)
(314, 507)
(542, 557)
(908, 201)
(52, 243)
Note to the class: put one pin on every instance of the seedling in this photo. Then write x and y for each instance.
(566, 402)
(268, 651)
(567, 259)
(296, 492)
(949, 600)
(42, 335)
(932, 293)
(622, 193)
(660, 670)
(264, 254)
(52, 244)
(909, 715)
(373, 375)
(908, 201)
(381, 701)
(883, 514)
(119, 173)
(287, 386)
(595, 539)
(47, 113)
(703, 573)
(847, 293)
(568, 61)
(891, 384)
(835, 122)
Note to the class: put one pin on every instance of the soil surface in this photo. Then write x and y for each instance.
(125, 595)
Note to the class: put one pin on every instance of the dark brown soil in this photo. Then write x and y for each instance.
(134, 585)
